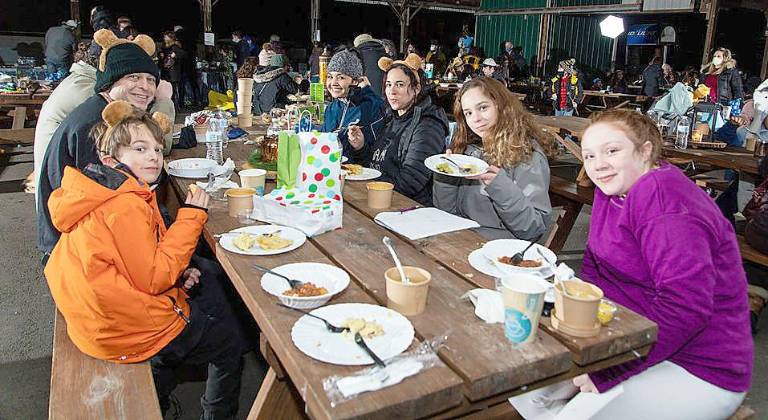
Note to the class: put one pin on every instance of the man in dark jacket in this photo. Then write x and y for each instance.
(371, 50)
(241, 48)
(272, 86)
(60, 47)
(653, 77)
(128, 74)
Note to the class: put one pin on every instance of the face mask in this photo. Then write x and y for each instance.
(433, 47)
(717, 61)
(509, 50)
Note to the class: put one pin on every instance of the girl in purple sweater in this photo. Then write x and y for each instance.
(660, 246)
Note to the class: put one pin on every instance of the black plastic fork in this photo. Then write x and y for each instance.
(332, 328)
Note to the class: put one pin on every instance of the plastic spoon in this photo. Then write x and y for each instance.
(388, 243)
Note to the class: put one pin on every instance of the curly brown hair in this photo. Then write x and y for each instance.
(509, 142)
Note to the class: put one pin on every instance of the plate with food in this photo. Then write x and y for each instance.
(500, 253)
(320, 283)
(359, 173)
(386, 332)
(194, 168)
(262, 240)
(460, 166)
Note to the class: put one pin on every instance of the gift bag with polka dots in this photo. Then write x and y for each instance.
(319, 171)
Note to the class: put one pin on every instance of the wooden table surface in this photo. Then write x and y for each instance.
(481, 369)
(736, 158)
(574, 125)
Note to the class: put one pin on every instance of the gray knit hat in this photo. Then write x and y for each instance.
(346, 62)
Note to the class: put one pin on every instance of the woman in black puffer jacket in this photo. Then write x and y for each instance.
(414, 129)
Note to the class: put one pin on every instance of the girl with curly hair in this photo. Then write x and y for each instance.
(511, 200)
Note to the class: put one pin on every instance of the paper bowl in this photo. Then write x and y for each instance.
(334, 279)
(192, 167)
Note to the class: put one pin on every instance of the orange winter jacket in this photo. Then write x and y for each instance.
(114, 272)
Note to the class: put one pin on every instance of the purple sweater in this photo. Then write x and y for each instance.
(667, 252)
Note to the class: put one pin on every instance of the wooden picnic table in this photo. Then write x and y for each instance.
(573, 125)
(736, 158)
(481, 369)
(610, 100)
(20, 102)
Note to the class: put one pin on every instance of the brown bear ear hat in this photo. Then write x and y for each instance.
(107, 39)
(117, 111)
(412, 61)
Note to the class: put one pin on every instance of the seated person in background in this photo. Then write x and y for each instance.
(511, 200)
(414, 129)
(353, 101)
(753, 121)
(645, 211)
(272, 85)
(121, 279)
(618, 84)
(491, 69)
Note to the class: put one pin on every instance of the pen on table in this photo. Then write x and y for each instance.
(409, 209)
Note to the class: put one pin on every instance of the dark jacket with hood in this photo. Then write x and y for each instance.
(729, 85)
(271, 88)
(371, 51)
(363, 106)
(402, 145)
(71, 145)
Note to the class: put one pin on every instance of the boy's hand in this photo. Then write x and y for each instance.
(191, 277)
(164, 90)
(198, 198)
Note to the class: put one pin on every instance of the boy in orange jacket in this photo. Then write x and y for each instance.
(120, 278)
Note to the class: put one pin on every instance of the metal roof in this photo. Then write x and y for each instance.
(463, 6)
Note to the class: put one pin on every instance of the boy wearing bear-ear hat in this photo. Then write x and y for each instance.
(121, 279)
(125, 71)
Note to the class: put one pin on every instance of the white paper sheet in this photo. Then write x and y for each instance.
(424, 222)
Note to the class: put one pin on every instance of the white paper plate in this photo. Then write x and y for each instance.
(194, 168)
(368, 174)
(313, 339)
(508, 247)
(481, 263)
(432, 162)
(332, 278)
(286, 232)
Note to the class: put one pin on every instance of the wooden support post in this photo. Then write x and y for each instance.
(541, 53)
(712, 8)
(764, 69)
(205, 8)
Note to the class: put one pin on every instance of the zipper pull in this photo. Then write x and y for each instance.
(178, 311)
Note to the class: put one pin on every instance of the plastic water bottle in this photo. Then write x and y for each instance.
(683, 130)
(214, 146)
(219, 123)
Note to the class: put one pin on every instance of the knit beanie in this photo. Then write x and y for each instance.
(567, 65)
(346, 62)
(125, 59)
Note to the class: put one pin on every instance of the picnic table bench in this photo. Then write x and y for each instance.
(480, 368)
(86, 388)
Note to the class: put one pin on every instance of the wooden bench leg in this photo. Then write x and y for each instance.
(275, 400)
(572, 210)
(19, 117)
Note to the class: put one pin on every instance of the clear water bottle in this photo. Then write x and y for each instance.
(214, 146)
(683, 131)
(219, 122)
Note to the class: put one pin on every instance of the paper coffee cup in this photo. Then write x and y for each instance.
(380, 194)
(253, 178)
(245, 84)
(239, 199)
(523, 296)
(407, 298)
(245, 120)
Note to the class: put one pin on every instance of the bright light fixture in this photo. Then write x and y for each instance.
(612, 26)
